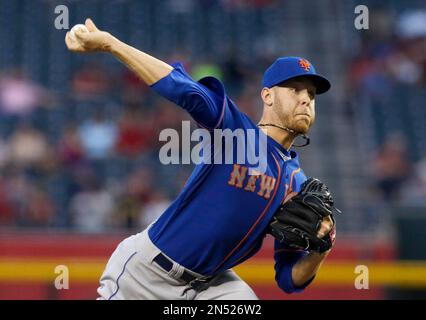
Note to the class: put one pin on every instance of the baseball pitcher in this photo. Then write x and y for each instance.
(224, 211)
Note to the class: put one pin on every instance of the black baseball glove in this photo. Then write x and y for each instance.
(297, 222)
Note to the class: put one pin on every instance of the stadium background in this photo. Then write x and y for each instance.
(79, 134)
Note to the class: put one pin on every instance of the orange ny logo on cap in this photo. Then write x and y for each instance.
(304, 64)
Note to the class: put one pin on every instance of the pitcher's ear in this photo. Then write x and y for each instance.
(267, 96)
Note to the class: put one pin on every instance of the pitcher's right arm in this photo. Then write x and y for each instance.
(172, 82)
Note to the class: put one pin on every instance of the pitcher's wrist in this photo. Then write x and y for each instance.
(111, 44)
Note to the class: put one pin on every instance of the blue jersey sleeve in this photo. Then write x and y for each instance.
(204, 100)
(285, 259)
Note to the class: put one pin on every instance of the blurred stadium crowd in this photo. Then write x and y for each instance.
(100, 166)
(79, 134)
(386, 95)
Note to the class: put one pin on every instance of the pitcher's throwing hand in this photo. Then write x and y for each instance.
(94, 40)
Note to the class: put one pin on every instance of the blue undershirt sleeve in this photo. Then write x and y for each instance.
(285, 259)
(203, 100)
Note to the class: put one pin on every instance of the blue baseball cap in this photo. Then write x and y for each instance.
(286, 68)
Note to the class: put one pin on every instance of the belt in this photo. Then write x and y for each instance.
(190, 279)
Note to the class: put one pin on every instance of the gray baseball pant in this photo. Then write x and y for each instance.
(131, 274)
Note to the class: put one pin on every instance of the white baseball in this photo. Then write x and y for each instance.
(79, 26)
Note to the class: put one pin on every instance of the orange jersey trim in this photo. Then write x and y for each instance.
(289, 191)
(258, 219)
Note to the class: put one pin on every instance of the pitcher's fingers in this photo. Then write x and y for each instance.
(72, 45)
(90, 25)
(81, 36)
(325, 228)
